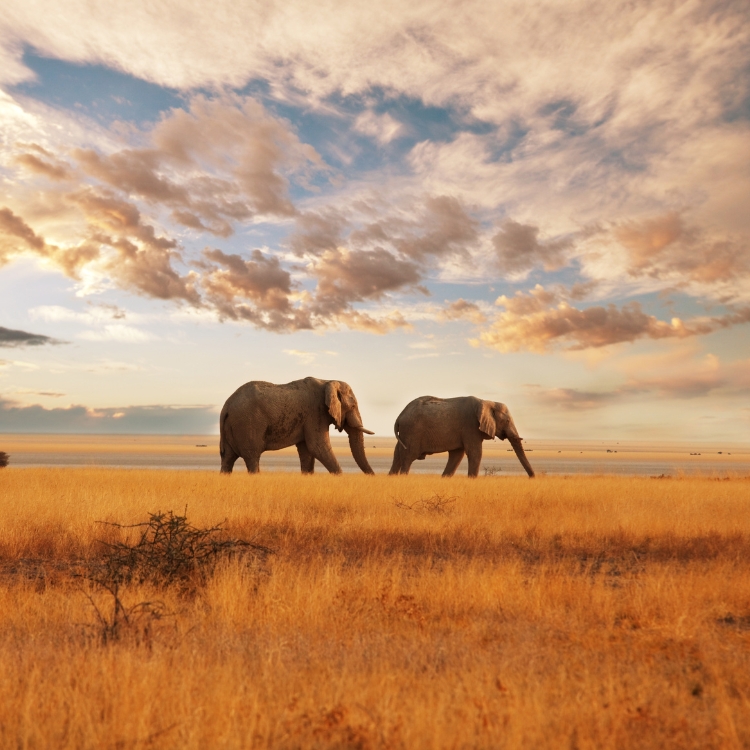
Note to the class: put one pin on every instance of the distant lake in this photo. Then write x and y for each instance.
(201, 452)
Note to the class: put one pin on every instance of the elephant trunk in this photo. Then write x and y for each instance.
(354, 421)
(355, 431)
(515, 443)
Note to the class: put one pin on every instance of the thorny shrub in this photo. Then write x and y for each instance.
(168, 552)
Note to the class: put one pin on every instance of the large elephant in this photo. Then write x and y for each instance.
(430, 425)
(261, 416)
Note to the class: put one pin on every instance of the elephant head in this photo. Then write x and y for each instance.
(495, 421)
(342, 406)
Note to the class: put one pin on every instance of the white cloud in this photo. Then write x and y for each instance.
(307, 357)
(95, 314)
(20, 364)
(118, 332)
(381, 127)
(503, 61)
(428, 355)
(423, 345)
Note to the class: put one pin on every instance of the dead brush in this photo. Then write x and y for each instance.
(4, 458)
(169, 552)
(137, 621)
(437, 504)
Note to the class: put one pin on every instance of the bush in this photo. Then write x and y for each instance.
(169, 551)
(4, 458)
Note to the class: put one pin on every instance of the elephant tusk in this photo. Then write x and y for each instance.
(349, 427)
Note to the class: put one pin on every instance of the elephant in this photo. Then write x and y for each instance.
(262, 416)
(430, 425)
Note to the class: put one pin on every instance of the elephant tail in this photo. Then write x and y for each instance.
(395, 432)
(222, 429)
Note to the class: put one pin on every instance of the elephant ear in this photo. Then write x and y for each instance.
(486, 418)
(332, 401)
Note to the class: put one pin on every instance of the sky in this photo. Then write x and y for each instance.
(541, 203)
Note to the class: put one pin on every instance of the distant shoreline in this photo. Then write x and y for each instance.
(554, 457)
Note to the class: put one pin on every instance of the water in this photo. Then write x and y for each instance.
(200, 452)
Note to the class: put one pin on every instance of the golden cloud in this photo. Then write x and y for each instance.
(40, 161)
(540, 319)
(666, 245)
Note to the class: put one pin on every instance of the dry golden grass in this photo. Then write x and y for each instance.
(404, 612)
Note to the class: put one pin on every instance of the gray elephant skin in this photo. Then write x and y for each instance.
(261, 416)
(430, 425)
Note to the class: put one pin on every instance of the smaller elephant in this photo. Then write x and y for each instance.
(430, 425)
(262, 416)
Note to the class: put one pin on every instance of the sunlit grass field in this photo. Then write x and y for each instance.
(398, 612)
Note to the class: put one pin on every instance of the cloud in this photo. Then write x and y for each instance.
(541, 319)
(432, 228)
(381, 127)
(353, 260)
(129, 250)
(519, 249)
(116, 244)
(609, 169)
(307, 358)
(706, 375)
(153, 419)
(96, 313)
(662, 58)
(26, 366)
(446, 229)
(423, 345)
(218, 162)
(344, 277)
(10, 337)
(30, 392)
(17, 236)
(317, 232)
(118, 332)
(256, 290)
(665, 245)
(461, 309)
(571, 399)
(703, 376)
(40, 161)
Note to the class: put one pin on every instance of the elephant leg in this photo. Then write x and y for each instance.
(252, 461)
(454, 459)
(306, 459)
(321, 449)
(408, 461)
(398, 459)
(228, 458)
(475, 458)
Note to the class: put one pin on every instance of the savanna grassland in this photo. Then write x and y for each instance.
(399, 612)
